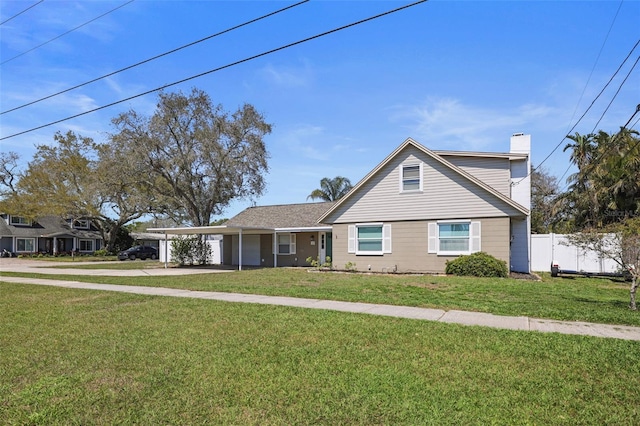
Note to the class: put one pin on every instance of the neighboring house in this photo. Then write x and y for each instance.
(49, 234)
(414, 211)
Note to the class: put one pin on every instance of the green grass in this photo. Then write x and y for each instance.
(117, 265)
(86, 357)
(579, 299)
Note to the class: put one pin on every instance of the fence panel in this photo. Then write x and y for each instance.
(553, 248)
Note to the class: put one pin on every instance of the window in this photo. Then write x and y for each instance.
(369, 238)
(411, 177)
(81, 224)
(455, 237)
(19, 220)
(25, 245)
(286, 243)
(85, 245)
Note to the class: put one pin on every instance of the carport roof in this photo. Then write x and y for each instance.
(264, 219)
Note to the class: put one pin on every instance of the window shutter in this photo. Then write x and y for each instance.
(432, 237)
(292, 243)
(386, 238)
(475, 237)
(351, 246)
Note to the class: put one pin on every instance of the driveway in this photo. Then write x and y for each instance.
(58, 268)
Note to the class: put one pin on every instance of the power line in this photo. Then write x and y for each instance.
(65, 33)
(157, 56)
(616, 95)
(601, 155)
(582, 116)
(20, 13)
(220, 68)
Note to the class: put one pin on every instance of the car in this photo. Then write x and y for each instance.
(139, 252)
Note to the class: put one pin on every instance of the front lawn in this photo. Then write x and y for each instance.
(72, 356)
(579, 299)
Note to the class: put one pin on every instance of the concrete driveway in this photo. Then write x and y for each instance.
(147, 268)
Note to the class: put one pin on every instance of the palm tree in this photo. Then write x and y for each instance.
(331, 189)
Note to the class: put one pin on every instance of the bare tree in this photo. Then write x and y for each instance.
(197, 157)
(619, 242)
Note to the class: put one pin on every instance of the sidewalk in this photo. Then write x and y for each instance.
(455, 317)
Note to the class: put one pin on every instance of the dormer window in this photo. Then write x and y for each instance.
(19, 220)
(81, 224)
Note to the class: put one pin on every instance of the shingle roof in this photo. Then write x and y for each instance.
(48, 226)
(281, 216)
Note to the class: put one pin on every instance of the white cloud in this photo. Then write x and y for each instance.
(288, 76)
(447, 123)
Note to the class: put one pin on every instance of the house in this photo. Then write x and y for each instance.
(414, 211)
(49, 234)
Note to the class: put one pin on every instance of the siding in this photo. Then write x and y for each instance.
(446, 195)
(492, 171)
(409, 242)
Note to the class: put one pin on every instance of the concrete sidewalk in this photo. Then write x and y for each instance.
(455, 317)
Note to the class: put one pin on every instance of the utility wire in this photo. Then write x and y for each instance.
(595, 160)
(268, 52)
(604, 42)
(582, 116)
(65, 33)
(20, 13)
(616, 95)
(157, 56)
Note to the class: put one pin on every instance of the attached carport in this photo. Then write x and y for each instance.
(216, 230)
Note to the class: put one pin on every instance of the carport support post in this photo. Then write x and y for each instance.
(240, 250)
(275, 249)
(166, 251)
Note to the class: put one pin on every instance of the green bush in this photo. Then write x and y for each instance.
(101, 252)
(478, 264)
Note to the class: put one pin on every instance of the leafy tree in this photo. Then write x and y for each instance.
(544, 191)
(72, 179)
(606, 187)
(197, 157)
(331, 189)
(619, 242)
(9, 173)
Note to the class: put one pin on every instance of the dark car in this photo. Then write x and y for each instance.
(139, 252)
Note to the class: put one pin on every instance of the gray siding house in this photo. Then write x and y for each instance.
(414, 211)
(49, 234)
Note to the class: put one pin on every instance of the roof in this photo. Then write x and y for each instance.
(261, 219)
(511, 156)
(436, 157)
(48, 227)
(281, 216)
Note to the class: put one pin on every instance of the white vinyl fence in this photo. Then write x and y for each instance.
(214, 242)
(552, 248)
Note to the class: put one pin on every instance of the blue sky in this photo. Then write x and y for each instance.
(458, 75)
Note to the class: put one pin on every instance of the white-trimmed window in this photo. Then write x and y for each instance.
(286, 243)
(81, 223)
(27, 245)
(85, 245)
(454, 237)
(369, 239)
(19, 220)
(411, 177)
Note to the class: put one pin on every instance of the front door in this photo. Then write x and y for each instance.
(324, 250)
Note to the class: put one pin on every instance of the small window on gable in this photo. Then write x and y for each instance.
(411, 177)
(81, 224)
(19, 220)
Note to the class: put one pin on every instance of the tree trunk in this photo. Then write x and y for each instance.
(634, 287)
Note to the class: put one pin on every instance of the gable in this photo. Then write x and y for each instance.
(447, 193)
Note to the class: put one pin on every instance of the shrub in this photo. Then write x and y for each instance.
(101, 252)
(477, 265)
(190, 250)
